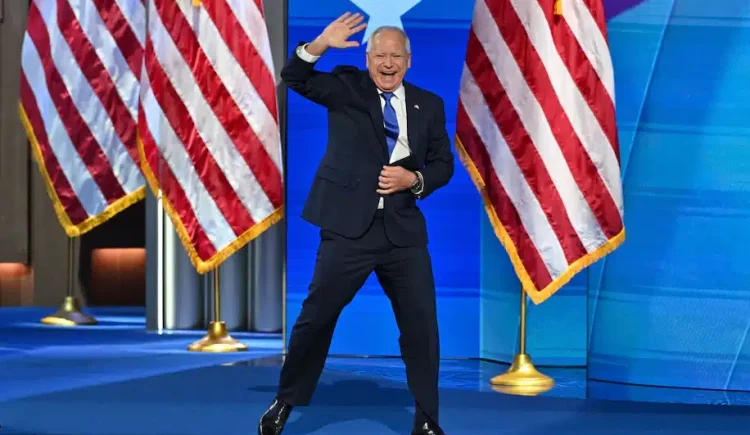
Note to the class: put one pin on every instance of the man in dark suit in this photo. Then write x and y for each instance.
(387, 148)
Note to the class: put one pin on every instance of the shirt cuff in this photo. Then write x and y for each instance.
(304, 55)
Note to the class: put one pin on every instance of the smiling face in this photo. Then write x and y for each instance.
(388, 59)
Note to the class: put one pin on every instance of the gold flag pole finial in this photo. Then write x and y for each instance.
(558, 7)
(196, 3)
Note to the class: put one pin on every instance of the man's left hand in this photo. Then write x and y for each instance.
(395, 179)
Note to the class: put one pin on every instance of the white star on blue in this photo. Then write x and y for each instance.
(384, 13)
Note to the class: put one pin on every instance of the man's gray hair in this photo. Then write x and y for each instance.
(382, 29)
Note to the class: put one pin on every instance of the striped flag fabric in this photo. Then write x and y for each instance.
(208, 124)
(536, 131)
(81, 64)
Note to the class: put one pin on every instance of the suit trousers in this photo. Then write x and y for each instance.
(341, 268)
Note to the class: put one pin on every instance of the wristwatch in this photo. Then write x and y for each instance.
(418, 185)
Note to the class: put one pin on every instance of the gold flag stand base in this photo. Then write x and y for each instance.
(217, 340)
(69, 314)
(522, 379)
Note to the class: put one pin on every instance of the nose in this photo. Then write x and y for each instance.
(388, 62)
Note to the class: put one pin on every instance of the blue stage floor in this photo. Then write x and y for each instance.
(116, 379)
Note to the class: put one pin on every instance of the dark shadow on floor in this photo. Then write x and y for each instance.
(364, 400)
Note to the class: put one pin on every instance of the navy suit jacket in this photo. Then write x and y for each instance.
(343, 197)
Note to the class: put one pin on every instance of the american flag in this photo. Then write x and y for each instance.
(536, 131)
(81, 63)
(208, 123)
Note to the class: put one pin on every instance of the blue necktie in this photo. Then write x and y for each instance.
(391, 122)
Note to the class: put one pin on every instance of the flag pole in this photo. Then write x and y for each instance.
(522, 378)
(217, 339)
(69, 313)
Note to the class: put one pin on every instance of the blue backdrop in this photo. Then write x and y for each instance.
(672, 305)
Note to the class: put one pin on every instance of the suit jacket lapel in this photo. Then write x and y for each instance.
(412, 117)
(372, 101)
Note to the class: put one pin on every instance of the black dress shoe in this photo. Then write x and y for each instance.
(273, 421)
(427, 429)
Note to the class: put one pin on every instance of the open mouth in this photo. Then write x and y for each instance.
(388, 73)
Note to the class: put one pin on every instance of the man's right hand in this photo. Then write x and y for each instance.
(337, 33)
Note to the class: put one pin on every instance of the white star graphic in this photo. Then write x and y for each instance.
(384, 13)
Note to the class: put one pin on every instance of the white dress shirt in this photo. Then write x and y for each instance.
(401, 150)
(398, 101)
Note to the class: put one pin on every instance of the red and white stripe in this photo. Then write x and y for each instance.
(536, 129)
(81, 62)
(209, 123)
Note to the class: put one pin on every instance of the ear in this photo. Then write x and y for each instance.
(367, 60)
(408, 61)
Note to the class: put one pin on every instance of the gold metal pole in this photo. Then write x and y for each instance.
(69, 313)
(217, 339)
(522, 378)
(522, 328)
(217, 296)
